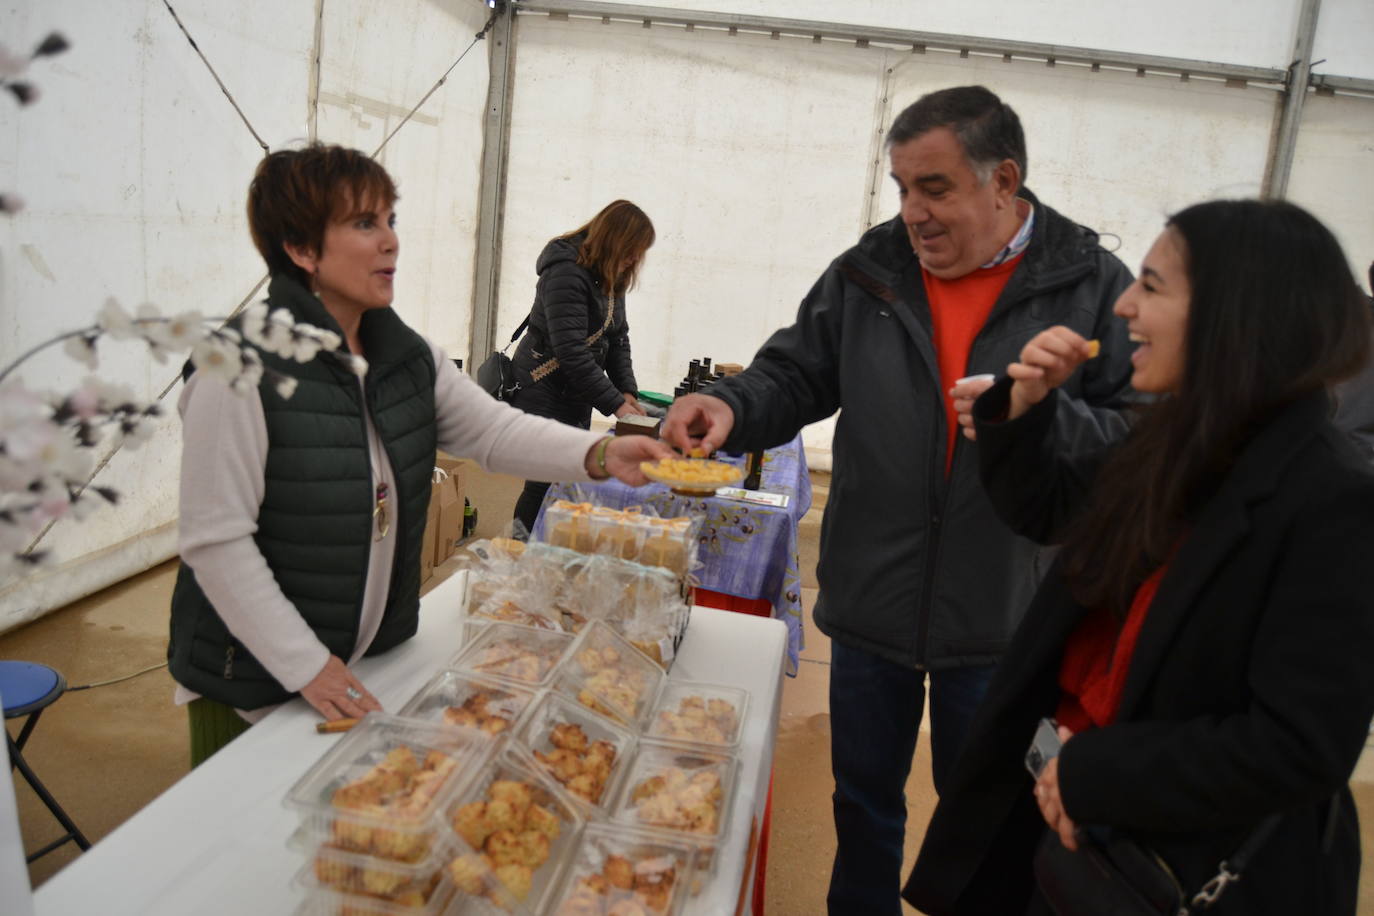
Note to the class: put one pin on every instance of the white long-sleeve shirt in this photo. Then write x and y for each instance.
(224, 455)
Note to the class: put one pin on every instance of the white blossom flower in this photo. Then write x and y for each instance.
(25, 443)
(251, 375)
(81, 348)
(19, 405)
(86, 502)
(218, 358)
(113, 320)
(136, 430)
(46, 455)
(179, 332)
(254, 324)
(307, 348)
(277, 336)
(355, 363)
(52, 502)
(286, 386)
(327, 339)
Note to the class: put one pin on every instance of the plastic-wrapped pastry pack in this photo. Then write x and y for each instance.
(554, 588)
(630, 534)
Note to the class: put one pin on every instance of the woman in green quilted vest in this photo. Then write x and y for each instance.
(303, 502)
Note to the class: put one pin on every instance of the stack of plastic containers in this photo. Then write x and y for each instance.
(372, 816)
(541, 773)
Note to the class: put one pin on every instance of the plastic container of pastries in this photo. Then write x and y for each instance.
(629, 872)
(711, 715)
(383, 788)
(515, 825)
(679, 791)
(583, 752)
(466, 700)
(336, 880)
(629, 534)
(518, 653)
(606, 673)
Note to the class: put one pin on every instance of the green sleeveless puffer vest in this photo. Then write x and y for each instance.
(315, 525)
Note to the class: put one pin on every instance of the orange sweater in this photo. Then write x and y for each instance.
(958, 310)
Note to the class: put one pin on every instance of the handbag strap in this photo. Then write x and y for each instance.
(551, 364)
(1230, 869)
(518, 331)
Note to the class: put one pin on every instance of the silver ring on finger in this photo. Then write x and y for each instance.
(353, 694)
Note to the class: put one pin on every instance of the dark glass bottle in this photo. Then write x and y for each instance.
(753, 470)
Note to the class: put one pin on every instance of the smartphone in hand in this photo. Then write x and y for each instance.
(1044, 747)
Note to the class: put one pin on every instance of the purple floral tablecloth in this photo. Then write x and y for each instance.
(746, 549)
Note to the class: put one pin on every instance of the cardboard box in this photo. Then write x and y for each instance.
(431, 536)
(449, 496)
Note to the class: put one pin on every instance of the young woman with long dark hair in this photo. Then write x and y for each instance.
(1204, 639)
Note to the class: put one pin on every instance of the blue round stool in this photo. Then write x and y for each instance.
(26, 689)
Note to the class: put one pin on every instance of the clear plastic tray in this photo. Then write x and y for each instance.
(466, 700)
(584, 752)
(697, 713)
(608, 675)
(518, 653)
(338, 880)
(514, 824)
(614, 866)
(679, 790)
(383, 787)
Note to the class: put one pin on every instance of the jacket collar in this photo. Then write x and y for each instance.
(1059, 252)
(386, 338)
(1223, 523)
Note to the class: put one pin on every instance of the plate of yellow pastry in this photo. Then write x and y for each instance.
(692, 476)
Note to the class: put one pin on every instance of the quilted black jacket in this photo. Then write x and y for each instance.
(570, 306)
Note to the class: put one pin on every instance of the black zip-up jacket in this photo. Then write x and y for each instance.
(570, 306)
(915, 566)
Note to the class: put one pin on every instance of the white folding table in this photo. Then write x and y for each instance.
(215, 842)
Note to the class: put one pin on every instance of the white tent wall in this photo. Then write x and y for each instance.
(1333, 173)
(134, 167)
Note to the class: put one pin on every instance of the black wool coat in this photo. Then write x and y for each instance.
(1250, 690)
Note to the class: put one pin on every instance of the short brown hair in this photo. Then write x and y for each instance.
(620, 231)
(296, 193)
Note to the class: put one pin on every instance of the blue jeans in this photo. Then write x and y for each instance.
(875, 714)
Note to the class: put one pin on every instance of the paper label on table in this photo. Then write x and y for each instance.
(763, 497)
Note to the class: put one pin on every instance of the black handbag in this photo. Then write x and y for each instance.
(1112, 875)
(496, 375)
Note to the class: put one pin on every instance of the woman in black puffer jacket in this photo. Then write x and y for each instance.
(576, 353)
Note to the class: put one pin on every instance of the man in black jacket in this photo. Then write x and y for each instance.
(918, 578)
